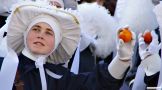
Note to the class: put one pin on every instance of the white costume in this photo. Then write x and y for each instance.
(139, 15)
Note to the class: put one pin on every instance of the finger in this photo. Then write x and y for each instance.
(121, 42)
(146, 31)
(126, 26)
(141, 39)
(141, 42)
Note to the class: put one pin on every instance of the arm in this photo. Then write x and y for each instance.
(122, 60)
(151, 61)
(111, 77)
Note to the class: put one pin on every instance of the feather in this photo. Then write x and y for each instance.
(138, 14)
(97, 22)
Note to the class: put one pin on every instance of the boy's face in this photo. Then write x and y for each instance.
(40, 39)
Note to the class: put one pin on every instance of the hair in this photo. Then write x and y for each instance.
(88, 1)
(110, 5)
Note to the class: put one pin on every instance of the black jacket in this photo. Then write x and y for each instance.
(99, 79)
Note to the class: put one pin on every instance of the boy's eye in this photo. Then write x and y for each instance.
(49, 33)
(35, 29)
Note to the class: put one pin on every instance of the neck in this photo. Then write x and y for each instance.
(30, 55)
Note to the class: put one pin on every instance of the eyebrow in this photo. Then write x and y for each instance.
(49, 29)
(37, 26)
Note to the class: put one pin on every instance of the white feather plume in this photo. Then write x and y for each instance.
(138, 14)
(158, 12)
(98, 22)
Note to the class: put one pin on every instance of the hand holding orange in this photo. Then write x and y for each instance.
(125, 34)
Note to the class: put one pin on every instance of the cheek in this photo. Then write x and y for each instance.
(51, 43)
(29, 40)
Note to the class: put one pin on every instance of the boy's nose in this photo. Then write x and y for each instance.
(40, 36)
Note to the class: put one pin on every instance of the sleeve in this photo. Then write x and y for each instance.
(152, 65)
(99, 79)
(105, 81)
(152, 81)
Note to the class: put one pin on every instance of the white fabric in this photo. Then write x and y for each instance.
(8, 70)
(139, 83)
(2, 30)
(56, 76)
(125, 50)
(151, 64)
(5, 5)
(3, 47)
(39, 64)
(28, 54)
(76, 60)
(118, 67)
(145, 49)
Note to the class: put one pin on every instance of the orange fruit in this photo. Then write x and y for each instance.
(125, 34)
(147, 37)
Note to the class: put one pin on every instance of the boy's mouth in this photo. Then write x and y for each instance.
(39, 43)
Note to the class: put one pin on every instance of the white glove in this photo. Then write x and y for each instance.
(147, 50)
(149, 54)
(125, 50)
(121, 62)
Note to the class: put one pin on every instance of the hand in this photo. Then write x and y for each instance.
(145, 49)
(121, 61)
(125, 50)
(151, 61)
